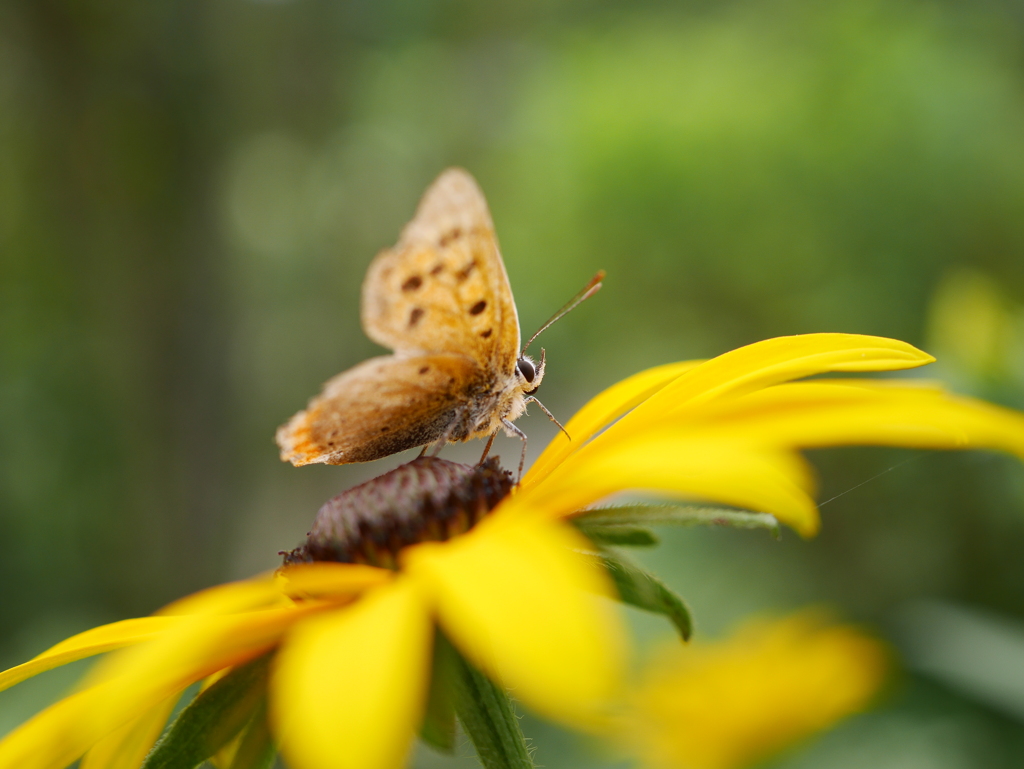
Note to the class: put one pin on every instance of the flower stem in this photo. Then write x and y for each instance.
(488, 716)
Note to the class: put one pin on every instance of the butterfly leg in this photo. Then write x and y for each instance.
(530, 398)
(487, 448)
(522, 436)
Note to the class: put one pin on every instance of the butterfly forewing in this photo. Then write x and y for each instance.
(443, 288)
(378, 408)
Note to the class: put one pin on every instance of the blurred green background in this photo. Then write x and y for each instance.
(190, 193)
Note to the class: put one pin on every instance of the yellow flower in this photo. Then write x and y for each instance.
(352, 644)
(731, 704)
(730, 429)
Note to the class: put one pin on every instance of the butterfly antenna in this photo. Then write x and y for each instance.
(585, 293)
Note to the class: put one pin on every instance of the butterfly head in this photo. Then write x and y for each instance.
(530, 373)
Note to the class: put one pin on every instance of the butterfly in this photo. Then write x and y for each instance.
(440, 298)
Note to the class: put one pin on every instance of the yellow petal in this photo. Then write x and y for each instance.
(136, 679)
(521, 605)
(326, 580)
(274, 588)
(193, 643)
(96, 641)
(348, 688)
(786, 358)
(601, 411)
(836, 412)
(766, 363)
(742, 371)
(127, 747)
(243, 595)
(49, 739)
(733, 703)
(681, 464)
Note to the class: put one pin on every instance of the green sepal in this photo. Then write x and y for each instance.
(614, 534)
(212, 719)
(641, 589)
(677, 515)
(438, 729)
(487, 715)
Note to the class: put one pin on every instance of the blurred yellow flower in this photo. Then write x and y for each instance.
(352, 643)
(977, 331)
(734, 703)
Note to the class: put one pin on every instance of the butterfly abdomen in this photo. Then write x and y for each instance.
(398, 438)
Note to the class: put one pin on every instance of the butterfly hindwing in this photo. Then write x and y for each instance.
(380, 407)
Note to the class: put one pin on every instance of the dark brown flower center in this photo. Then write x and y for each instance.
(428, 499)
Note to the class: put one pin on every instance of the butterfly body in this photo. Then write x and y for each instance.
(441, 300)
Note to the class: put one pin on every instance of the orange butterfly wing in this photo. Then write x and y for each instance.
(441, 299)
(443, 287)
(378, 408)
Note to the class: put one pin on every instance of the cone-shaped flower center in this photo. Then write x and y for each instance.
(428, 499)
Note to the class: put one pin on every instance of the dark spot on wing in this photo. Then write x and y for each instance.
(486, 334)
(478, 308)
(415, 316)
(412, 283)
(454, 234)
(424, 369)
(437, 269)
(464, 273)
(384, 429)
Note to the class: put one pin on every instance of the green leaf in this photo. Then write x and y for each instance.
(614, 534)
(487, 714)
(212, 719)
(642, 589)
(256, 750)
(677, 515)
(438, 729)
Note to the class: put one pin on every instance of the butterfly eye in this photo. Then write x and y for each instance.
(526, 368)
